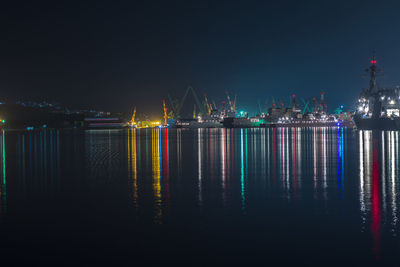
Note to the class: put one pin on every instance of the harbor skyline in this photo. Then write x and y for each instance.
(200, 133)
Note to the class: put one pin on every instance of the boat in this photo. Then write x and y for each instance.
(377, 108)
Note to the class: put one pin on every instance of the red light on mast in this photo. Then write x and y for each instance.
(373, 61)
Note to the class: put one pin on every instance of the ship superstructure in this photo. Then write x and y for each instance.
(378, 108)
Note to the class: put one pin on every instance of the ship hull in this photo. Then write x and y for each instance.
(238, 123)
(377, 124)
(307, 124)
(195, 124)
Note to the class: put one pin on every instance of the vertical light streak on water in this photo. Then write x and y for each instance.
(314, 137)
(376, 201)
(3, 149)
(160, 157)
(155, 147)
(147, 147)
(228, 153)
(299, 160)
(268, 155)
(40, 161)
(339, 159)
(282, 158)
(4, 184)
(45, 155)
(343, 152)
(179, 151)
(35, 157)
(138, 152)
(51, 158)
(129, 153)
(199, 158)
(109, 155)
(242, 171)
(166, 168)
(233, 152)
(383, 173)
(274, 154)
(30, 158)
(392, 159)
(395, 212)
(294, 161)
(254, 143)
(134, 168)
(287, 162)
(368, 168)
(324, 165)
(362, 193)
(263, 149)
(23, 160)
(58, 158)
(223, 166)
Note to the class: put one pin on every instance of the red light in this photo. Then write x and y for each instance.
(373, 61)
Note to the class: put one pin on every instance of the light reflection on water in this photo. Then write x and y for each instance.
(215, 172)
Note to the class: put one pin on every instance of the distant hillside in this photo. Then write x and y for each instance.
(18, 116)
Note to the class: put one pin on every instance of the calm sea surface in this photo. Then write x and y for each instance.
(322, 196)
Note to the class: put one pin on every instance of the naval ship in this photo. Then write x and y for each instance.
(377, 108)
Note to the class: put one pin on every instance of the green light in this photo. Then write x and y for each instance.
(4, 161)
(3, 121)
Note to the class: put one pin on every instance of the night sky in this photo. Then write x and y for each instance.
(113, 56)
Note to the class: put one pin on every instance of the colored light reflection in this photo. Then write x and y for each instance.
(243, 164)
(166, 166)
(376, 208)
(199, 163)
(370, 186)
(4, 180)
(156, 169)
(132, 164)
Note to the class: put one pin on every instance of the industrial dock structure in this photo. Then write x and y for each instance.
(207, 114)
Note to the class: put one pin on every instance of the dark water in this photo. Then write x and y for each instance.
(322, 196)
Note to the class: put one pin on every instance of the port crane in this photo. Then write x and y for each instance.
(232, 104)
(176, 105)
(208, 106)
(165, 113)
(133, 122)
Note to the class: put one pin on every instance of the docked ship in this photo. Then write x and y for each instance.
(213, 120)
(295, 117)
(377, 108)
(242, 122)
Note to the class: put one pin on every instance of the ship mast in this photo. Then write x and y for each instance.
(373, 88)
